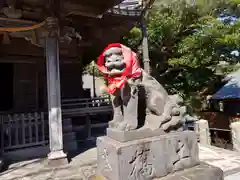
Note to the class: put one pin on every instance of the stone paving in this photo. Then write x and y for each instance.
(83, 166)
(228, 161)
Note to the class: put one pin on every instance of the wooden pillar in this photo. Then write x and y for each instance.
(2, 143)
(94, 81)
(56, 155)
(146, 60)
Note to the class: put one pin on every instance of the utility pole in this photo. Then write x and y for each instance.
(146, 60)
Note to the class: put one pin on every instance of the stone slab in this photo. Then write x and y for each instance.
(147, 158)
(200, 172)
(235, 126)
(124, 136)
(58, 162)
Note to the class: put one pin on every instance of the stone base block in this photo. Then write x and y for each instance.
(57, 158)
(235, 128)
(148, 158)
(58, 162)
(124, 136)
(200, 172)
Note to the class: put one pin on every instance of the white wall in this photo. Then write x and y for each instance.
(88, 83)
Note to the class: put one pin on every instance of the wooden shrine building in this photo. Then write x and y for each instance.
(44, 44)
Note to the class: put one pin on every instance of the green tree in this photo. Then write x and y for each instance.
(92, 68)
(187, 42)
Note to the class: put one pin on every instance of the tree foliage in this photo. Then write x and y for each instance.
(92, 69)
(187, 41)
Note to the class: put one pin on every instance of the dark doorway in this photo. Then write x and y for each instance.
(6, 88)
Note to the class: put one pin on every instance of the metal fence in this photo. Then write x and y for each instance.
(221, 138)
(217, 136)
(23, 130)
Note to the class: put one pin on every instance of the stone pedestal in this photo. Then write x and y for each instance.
(235, 128)
(170, 156)
(148, 158)
(202, 128)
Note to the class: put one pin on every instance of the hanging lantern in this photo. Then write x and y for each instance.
(221, 106)
(6, 38)
(208, 99)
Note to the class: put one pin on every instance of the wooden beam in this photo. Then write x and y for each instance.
(68, 7)
(34, 59)
(87, 14)
(101, 5)
(21, 47)
(9, 22)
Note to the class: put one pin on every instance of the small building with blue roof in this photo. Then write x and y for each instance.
(227, 98)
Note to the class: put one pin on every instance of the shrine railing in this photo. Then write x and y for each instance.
(75, 107)
(23, 130)
(209, 135)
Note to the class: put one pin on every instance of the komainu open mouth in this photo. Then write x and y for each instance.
(116, 68)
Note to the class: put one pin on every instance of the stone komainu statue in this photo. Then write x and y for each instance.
(135, 94)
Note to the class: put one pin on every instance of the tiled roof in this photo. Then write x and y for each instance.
(130, 4)
(130, 7)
